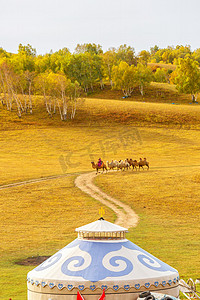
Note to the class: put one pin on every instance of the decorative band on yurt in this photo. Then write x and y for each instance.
(156, 285)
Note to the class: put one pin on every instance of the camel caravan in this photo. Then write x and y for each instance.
(120, 165)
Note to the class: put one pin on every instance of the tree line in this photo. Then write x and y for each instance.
(62, 77)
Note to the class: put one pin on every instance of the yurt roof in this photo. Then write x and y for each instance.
(101, 226)
(88, 265)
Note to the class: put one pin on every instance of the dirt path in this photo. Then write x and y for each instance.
(29, 181)
(126, 217)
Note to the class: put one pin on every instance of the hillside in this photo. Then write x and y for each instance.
(90, 111)
(156, 92)
(37, 219)
(162, 65)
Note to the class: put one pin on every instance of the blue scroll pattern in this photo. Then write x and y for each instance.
(49, 262)
(148, 260)
(96, 261)
(96, 270)
(55, 258)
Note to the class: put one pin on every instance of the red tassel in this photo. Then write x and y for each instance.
(103, 296)
(79, 296)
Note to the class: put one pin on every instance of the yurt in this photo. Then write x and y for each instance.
(101, 258)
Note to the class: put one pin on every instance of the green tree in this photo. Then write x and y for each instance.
(144, 77)
(143, 57)
(161, 75)
(109, 60)
(188, 77)
(91, 48)
(182, 51)
(154, 49)
(59, 61)
(86, 68)
(24, 60)
(43, 63)
(124, 78)
(27, 50)
(196, 55)
(127, 54)
(168, 55)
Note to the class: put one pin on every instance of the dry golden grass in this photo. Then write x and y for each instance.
(162, 65)
(156, 92)
(167, 201)
(33, 212)
(101, 127)
(39, 219)
(36, 146)
(91, 111)
(166, 197)
(143, 114)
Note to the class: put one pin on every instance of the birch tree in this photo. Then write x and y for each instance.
(109, 60)
(74, 94)
(9, 82)
(3, 86)
(42, 85)
(187, 78)
(144, 77)
(124, 78)
(29, 78)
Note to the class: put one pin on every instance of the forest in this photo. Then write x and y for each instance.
(62, 77)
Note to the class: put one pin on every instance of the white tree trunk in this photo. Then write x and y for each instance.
(25, 103)
(101, 84)
(64, 106)
(47, 106)
(64, 111)
(18, 105)
(10, 100)
(30, 100)
(141, 88)
(5, 96)
(60, 111)
(73, 110)
(54, 107)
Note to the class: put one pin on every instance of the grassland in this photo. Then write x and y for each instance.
(162, 65)
(156, 92)
(39, 218)
(167, 201)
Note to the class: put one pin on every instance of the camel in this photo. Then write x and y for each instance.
(97, 167)
(123, 165)
(113, 164)
(143, 163)
(133, 163)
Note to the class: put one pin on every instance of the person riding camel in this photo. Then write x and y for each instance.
(100, 162)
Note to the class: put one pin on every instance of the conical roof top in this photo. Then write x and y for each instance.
(101, 226)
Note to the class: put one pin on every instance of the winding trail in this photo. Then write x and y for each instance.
(29, 181)
(126, 217)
